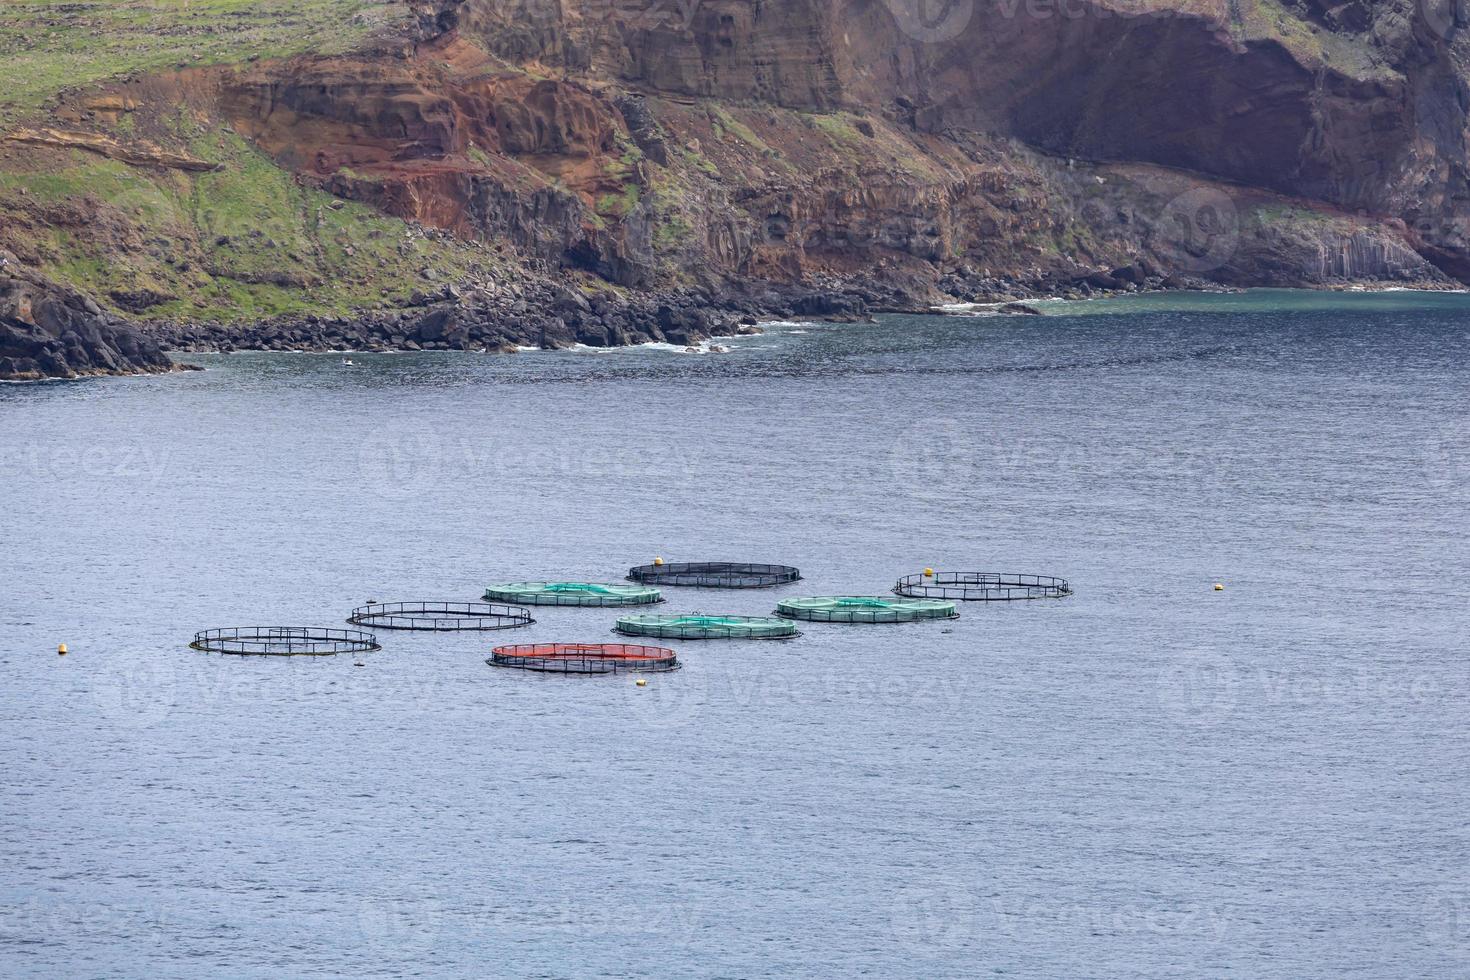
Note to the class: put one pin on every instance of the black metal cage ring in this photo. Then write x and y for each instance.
(714, 574)
(441, 617)
(982, 586)
(284, 641)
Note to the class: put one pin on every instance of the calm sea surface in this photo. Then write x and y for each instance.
(1152, 778)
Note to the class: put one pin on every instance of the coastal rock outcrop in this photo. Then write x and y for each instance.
(50, 331)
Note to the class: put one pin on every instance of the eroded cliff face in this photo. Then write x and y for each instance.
(780, 140)
(902, 150)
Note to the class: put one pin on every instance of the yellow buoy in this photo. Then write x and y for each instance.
(61, 650)
(1219, 587)
(928, 573)
(658, 561)
(641, 682)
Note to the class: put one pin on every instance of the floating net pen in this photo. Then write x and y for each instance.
(714, 574)
(864, 609)
(283, 641)
(982, 586)
(585, 658)
(441, 617)
(572, 594)
(699, 627)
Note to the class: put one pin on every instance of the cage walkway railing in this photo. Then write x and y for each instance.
(441, 617)
(982, 586)
(283, 641)
(585, 658)
(714, 574)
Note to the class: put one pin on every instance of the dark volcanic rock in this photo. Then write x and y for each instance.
(50, 331)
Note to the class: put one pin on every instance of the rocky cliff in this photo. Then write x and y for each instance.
(821, 155)
(50, 331)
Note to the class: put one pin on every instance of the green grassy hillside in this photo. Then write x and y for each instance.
(52, 45)
(240, 243)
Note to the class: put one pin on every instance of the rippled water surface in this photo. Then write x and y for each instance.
(1150, 778)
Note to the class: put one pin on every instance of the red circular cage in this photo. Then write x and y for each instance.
(585, 658)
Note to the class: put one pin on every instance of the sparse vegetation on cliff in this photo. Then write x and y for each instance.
(239, 243)
(52, 45)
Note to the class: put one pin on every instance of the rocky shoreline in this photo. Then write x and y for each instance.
(51, 331)
(553, 317)
(546, 315)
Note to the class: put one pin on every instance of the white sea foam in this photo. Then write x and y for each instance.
(962, 307)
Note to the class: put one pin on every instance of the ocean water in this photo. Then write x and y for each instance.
(1151, 778)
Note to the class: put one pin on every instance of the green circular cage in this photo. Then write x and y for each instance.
(864, 609)
(696, 626)
(573, 594)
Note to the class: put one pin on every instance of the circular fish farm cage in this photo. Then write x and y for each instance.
(440, 617)
(572, 594)
(283, 641)
(585, 658)
(699, 627)
(864, 609)
(714, 574)
(982, 586)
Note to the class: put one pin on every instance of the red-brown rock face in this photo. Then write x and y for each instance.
(1360, 106)
(912, 140)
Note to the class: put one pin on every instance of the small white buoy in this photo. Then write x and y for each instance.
(641, 682)
(1219, 587)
